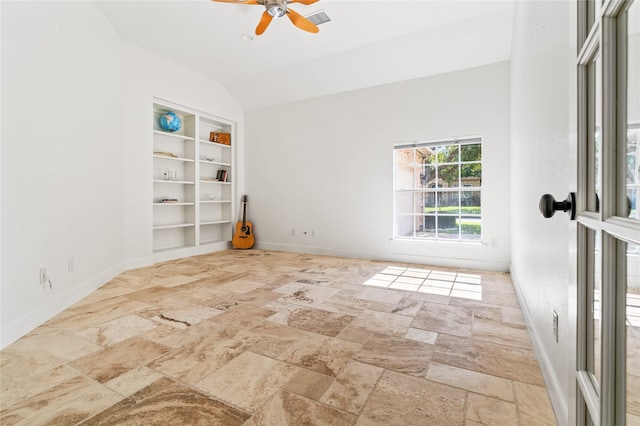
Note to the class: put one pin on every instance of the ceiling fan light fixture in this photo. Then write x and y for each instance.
(276, 8)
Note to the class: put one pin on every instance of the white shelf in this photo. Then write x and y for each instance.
(214, 222)
(170, 248)
(221, 145)
(217, 163)
(174, 204)
(215, 181)
(164, 157)
(173, 135)
(183, 182)
(172, 226)
(215, 201)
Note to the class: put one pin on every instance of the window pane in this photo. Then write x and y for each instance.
(429, 226)
(594, 333)
(404, 202)
(448, 153)
(428, 155)
(404, 176)
(471, 174)
(428, 179)
(448, 227)
(470, 202)
(471, 152)
(633, 334)
(470, 227)
(404, 225)
(628, 202)
(448, 202)
(448, 176)
(594, 196)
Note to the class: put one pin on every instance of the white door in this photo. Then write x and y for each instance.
(608, 213)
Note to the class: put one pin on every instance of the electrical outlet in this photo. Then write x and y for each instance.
(71, 264)
(493, 242)
(43, 276)
(555, 325)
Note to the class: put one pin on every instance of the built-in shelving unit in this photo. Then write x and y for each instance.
(193, 183)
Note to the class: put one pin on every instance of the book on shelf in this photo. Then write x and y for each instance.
(222, 175)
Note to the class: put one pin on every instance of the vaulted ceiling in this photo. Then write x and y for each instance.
(366, 43)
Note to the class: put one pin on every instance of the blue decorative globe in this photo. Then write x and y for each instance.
(170, 121)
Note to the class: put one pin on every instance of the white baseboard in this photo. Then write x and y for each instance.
(22, 325)
(558, 400)
(390, 257)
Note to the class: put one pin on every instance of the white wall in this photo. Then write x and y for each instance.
(76, 145)
(327, 164)
(62, 167)
(543, 160)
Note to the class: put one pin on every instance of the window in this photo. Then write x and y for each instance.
(438, 190)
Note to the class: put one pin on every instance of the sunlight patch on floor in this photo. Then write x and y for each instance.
(445, 283)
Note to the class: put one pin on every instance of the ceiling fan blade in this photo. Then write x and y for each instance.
(240, 1)
(264, 22)
(303, 1)
(302, 22)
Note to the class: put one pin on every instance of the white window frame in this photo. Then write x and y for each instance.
(461, 189)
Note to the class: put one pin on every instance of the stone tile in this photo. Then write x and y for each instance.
(396, 353)
(534, 406)
(309, 383)
(256, 297)
(317, 321)
(423, 336)
(69, 402)
(305, 294)
(483, 410)
(38, 382)
(489, 358)
(352, 387)
(169, 403)
(133, 380)
(342, 303)
(205, 354)
(481, 383)
(11, 393)
(248, 381)
(287, 408)
(240, 286)
(269, 346)
(502, 333)
(356, 335)
(455, 320)
(382, 322)
(38, 353)
(320, 354)
(117, 330)
(381, 295)
(119, 358)
(246, 317)
(400, 400)
(278, 331)
(408, 307)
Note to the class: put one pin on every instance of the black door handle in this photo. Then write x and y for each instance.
(548, 205)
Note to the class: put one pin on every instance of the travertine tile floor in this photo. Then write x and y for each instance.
(271, 338)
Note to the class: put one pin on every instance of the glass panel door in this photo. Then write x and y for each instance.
(608, 343)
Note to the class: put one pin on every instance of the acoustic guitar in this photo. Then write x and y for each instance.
(243, 238)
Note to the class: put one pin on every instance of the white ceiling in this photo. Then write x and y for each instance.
(367, 42)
